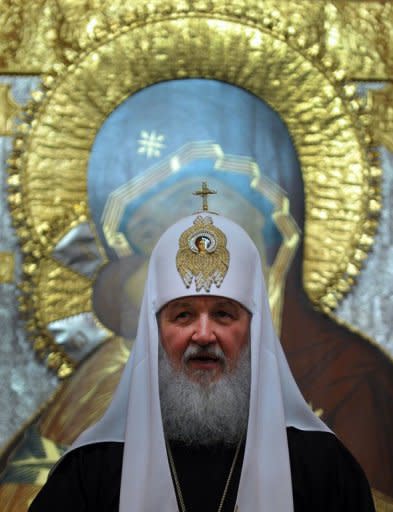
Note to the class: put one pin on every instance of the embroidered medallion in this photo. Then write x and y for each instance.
(202, 254)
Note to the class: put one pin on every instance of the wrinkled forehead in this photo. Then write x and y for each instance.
(204, 255)
(202, 302)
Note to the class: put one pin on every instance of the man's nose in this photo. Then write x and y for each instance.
(204, 331)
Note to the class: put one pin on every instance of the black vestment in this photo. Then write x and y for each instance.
(325, 477)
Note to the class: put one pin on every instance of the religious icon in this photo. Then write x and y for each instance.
(202, 243)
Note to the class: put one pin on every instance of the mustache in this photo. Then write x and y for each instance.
(195, 351)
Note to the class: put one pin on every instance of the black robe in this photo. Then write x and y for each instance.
(325, 477)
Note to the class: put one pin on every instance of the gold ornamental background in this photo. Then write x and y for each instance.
(303, 58)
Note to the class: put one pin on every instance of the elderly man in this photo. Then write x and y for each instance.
(207, 416)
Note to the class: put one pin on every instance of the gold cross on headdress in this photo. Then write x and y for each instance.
(204, 192)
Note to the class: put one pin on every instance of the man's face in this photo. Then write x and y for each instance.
(204, 335)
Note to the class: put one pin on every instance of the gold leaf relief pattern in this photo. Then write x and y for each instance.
(381, 102)
(61, 292)
(27, 36)
(7, 264)
(8, 110)
(51, 292)
(361, 35)
(351, 35)
(238, 42)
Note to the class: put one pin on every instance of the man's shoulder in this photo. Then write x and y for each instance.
(86, 478)
(324, 471)
(96, 461)
(101, 447)
(303, 439)
(95, 452)
(323, 449)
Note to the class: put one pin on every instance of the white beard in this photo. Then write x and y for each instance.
(203, 411)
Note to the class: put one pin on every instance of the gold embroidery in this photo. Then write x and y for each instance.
(202, 255)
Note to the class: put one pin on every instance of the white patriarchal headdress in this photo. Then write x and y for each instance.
(134, 416)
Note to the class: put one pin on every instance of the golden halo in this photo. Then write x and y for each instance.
(236, 42)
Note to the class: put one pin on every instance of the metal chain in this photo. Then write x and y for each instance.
(177, 483)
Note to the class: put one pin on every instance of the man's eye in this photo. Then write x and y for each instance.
(223, 314)
(182, 315)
